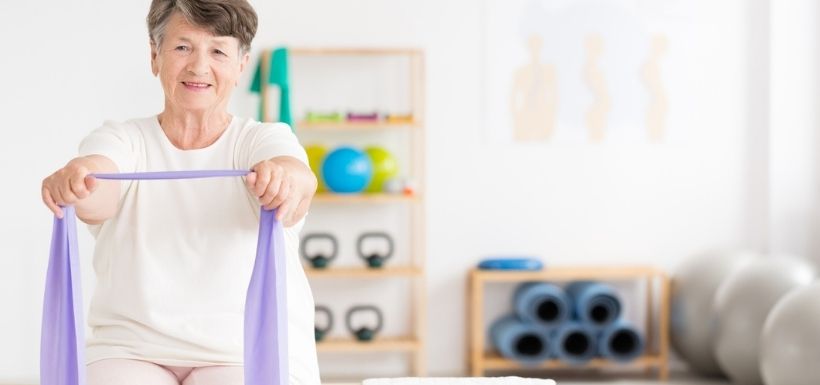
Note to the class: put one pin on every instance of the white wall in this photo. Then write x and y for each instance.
(67, 67)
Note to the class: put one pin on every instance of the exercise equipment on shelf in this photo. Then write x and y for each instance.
(321, 332)
(385, 167)
(520, 341)
(620, 342)
(594, 303)
(324, 117)
(347, 170)
(316, 155)
(374, 259)
(574, 343)
(580, 322)
(319, 261)
(366, 117)
(515, 263)
(364, 333)
(542, 303)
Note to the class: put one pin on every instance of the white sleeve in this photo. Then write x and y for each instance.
(112, 141)
(268, 140)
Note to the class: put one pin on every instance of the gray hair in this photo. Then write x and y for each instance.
(234, 18)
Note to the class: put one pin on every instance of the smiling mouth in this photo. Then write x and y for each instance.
(201, 86)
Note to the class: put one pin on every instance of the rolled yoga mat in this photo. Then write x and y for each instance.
(595, 304)
(574, 343)
(520, 341)
(266, 330)
(620, 342)
(541, 303)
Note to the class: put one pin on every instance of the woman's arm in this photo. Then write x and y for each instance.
(94, 200)
(285, 183)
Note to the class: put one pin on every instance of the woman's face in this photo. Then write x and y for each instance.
(198, 71)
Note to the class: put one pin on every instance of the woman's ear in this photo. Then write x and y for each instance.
(154, 53)
(244, 62)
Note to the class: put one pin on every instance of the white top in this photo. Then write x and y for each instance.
(173, 265)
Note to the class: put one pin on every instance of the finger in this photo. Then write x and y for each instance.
(262, 180)
(298, 213)
(77, 188)
(285, 209)
(49, 201)
(90, 183)
(274, 186)
(250, 180)
(284, 191)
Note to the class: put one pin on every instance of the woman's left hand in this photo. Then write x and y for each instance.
(285, 184)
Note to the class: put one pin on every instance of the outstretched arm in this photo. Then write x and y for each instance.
(94, 200)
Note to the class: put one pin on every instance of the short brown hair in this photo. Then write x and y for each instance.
(234, 18)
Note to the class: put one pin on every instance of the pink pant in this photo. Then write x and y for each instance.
(135, 372)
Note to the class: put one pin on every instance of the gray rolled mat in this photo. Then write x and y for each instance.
(620, 342)
(520, 341)
(541, 303)
(574, 343)
(594, 303)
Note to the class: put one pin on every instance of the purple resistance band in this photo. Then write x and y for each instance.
(62, 343)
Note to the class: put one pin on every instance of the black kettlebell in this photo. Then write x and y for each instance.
(321, 332)
(319, 261)
(364, 333)
(375, 260)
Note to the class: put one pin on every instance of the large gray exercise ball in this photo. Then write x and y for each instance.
(742, 303)
(694, 284)
(790, 342)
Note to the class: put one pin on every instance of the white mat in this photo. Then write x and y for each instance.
(458, 381)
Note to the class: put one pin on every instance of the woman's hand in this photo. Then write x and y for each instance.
(283, 183)
(94, 201)
(69, 185)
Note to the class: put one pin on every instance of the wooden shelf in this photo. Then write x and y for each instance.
(326, 197)
(363, 272)
(493, 361)
(387, 344)
(568, 273)
(353, 126)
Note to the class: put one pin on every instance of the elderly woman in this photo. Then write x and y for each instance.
(173, 258)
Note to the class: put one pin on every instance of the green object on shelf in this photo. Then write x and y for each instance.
(280, 77)
(385, 167)
(324, 117)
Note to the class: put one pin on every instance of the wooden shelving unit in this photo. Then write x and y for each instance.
(357, 126)
(412, 345)
(365, 198)
(363, 272)
(482, 358)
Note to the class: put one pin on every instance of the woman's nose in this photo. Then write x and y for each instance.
(198, 64)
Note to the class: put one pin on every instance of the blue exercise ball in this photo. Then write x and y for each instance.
(347, 170)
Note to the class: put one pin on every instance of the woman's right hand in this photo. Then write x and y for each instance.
(69, 185)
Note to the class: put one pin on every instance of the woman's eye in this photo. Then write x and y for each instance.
(218, 52)
(181, 48)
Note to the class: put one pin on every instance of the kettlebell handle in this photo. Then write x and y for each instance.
(362, 308)
(326, 311)
(315, 236)
(374, 234)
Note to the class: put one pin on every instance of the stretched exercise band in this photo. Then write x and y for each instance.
(62, 340)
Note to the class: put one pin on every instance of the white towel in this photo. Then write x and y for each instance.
(458, 381)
